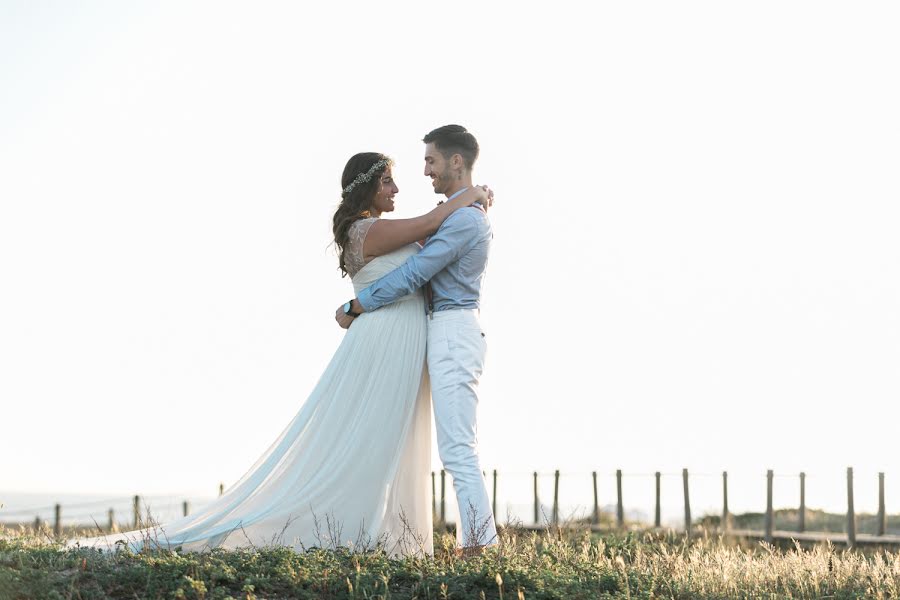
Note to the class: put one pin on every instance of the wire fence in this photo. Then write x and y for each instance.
(608, 498)
(773, 505)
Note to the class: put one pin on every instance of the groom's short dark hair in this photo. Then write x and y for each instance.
(454, 139)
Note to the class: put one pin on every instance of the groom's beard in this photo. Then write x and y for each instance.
(444, 181)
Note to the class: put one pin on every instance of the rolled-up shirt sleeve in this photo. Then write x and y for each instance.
(452, 240)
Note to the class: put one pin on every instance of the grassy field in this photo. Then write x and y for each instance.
(567, 564)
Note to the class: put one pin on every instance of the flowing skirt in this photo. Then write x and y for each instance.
(351, 468)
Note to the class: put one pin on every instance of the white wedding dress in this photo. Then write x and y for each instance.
(352, 467)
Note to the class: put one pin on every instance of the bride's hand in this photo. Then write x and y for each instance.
(488, 200)
(484, 196)
(477, 193)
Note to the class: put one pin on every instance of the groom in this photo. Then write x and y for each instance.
(453, 260)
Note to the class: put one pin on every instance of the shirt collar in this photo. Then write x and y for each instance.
(457, 193)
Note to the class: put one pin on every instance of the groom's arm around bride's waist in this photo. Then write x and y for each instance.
(453, 239)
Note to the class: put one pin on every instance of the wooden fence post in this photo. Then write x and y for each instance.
(112, 520)
(57, 520)
(185, 508)
(595, 518)
(556, 497)
(444, 497)
(433, 498)
(137, 511)
(851, 513)
(221, 489)
(801, 518)
(537, 501)
(687, 502)
(725, 517)
(882, 519)
(770, 515)
(657, 517)
(37, 524)
(620, 508)
(494, 504)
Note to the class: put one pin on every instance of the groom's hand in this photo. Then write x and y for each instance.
(343, 319)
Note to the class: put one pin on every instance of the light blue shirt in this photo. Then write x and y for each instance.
(453, 259)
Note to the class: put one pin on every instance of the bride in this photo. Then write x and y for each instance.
(352, 467)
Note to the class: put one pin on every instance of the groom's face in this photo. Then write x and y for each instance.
(438, 168)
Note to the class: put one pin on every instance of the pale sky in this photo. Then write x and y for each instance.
(695, 261)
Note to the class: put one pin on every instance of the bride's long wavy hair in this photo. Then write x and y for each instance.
(357, 204)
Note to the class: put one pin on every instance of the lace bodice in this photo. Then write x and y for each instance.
(354, 260)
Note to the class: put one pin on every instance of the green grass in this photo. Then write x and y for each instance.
(571, 564)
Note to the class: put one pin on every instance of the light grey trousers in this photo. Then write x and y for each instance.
(456, 353)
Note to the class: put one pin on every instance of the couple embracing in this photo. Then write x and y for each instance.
(352, 467)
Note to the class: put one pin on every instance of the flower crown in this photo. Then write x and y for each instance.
(367, 176)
